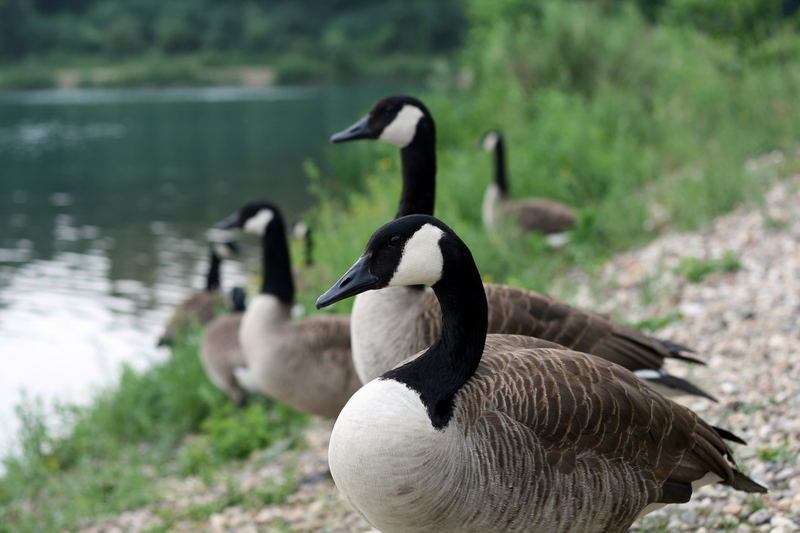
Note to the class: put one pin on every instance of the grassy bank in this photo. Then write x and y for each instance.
(109, 456)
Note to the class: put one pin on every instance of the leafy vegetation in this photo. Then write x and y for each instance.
(106, 457)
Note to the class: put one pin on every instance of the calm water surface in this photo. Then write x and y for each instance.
(105, 196)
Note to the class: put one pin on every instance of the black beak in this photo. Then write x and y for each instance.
(359, 130)
(229, 223)
(356, 280)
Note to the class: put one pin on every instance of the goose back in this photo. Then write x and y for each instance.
(391, 324)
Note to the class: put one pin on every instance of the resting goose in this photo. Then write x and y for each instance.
(389, 325)
(306, 363)
(505, 433)
(202, 306)
(530, 214)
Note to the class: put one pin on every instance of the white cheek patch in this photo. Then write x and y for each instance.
(257, 224)
(402, 129)
(422, 261)
(490, 141)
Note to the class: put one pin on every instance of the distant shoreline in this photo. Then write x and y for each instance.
(134, 73)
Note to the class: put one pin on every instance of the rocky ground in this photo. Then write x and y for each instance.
(742, 318)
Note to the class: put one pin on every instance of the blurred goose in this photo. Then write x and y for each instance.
(302, 231)
(505, 433)
(389, 325)
(221, 354)
(530, 214)
(306, 363)
(202, 306)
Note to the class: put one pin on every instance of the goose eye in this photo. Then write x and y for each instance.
(394, 241)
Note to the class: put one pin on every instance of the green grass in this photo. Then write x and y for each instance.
(109, 456)
(696, 269)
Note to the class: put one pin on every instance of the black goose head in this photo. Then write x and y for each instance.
(255, 218)
(394, 119)
(490, 140)
(410, 250)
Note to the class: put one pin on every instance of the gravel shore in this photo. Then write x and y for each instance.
(743, 322)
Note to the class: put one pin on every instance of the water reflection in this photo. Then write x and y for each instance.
(104, 200)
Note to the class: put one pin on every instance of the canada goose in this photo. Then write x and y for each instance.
(221, 354)
(202, 306)
(530, 214)
(504, 432)
(391, 324)
(301, 230)
(306, 363)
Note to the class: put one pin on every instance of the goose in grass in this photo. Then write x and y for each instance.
(389, 325)
(505, 433)
(221, 354)
(302, 231)
(537, 215)
(305, 364)
(201, 306)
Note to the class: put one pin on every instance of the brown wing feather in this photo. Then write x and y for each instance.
(321, 346)
(538, 214)
(516, 311)
(583, 409)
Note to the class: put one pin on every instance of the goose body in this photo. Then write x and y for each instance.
(306, 363)
(221, 356)
(505, 433)
(538, 215)
(388, 326)
(202, 306)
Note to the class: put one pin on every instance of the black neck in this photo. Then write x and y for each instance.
(212, 277)
(444, 368)
(500, 166)
(276, 266)
(309, 251)
(419, 172)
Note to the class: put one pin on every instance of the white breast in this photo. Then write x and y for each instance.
(379, 446)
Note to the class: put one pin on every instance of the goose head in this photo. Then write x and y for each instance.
(254, 218)
(411, 250)
(489, 140)
(394, 119)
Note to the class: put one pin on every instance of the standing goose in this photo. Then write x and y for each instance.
(389, 325)
(202, 306)
(530, 214)
(505, 433)
(306, 363)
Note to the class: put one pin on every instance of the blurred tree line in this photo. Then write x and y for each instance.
(303, 33)
(322, 38)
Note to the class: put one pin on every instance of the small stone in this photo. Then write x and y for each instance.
(732, 509)
(762, 516)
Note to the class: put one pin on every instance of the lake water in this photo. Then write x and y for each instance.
(105, 196)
